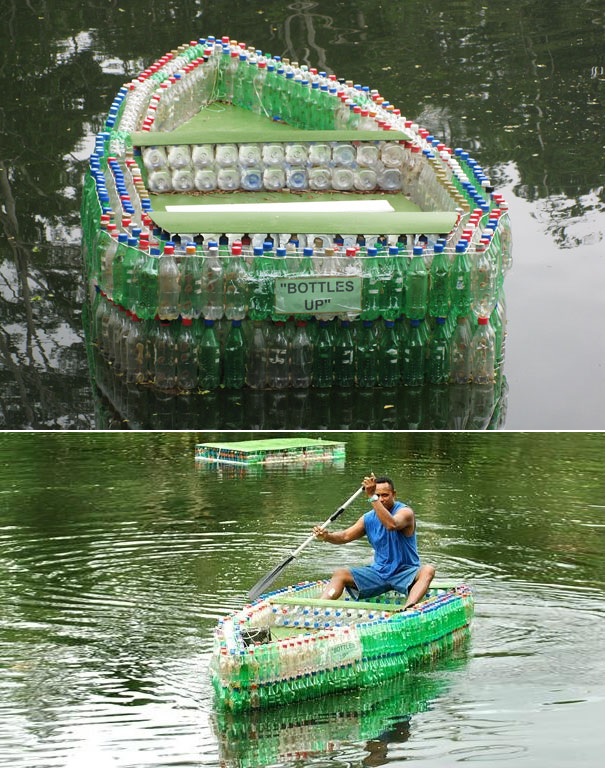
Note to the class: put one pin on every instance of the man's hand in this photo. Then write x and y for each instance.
(320, 533)
(369, 485)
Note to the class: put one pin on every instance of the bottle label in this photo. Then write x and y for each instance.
(317, 295)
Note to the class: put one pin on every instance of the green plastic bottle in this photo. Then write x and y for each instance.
(234, 357)
(438, 358)
(439, 283)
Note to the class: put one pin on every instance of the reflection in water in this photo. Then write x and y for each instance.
(331, 725)
(121, 405)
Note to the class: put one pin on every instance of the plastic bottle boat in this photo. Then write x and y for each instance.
(291, 644)
(232, 186)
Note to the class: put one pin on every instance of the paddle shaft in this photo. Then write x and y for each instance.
(328, 522)
(265, 582)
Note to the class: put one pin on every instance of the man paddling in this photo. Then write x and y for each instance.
(390, 527)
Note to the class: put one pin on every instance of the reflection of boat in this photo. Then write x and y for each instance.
(120, 404)
(291, 644)
(378, 716)
(247, 221)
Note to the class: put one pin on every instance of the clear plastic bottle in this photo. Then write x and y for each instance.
(322, 369)
(165, 356)
(234, 357)
(212, 283)
(460, 363)
(168, 276)
(438, 358)
(277, 356)
(417, 286)
(209, 357)
(300, 357)
(186, 356)
(256, 358)
(235, 284)
(135, 344)
(482, 353)
(485, 281)
(344, 356)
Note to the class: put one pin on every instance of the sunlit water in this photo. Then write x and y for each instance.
(519, 85)
(119, 554)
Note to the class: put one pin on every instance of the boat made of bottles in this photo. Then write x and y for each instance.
(291, 644)
(248, 221)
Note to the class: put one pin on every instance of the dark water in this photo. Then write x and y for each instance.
(520, 85)
(119, 554)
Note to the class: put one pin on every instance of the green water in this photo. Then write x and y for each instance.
(519, 85)
(119, 553)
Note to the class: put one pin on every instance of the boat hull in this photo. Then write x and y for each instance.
(291, 645)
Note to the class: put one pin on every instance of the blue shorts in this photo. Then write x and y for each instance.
(370, 583)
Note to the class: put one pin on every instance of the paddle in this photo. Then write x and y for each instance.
(265, 582)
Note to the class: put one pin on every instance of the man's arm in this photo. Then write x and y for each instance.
(402, 520)
(351, 533)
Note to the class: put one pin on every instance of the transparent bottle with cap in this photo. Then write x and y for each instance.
(482, 353)
(168, 277)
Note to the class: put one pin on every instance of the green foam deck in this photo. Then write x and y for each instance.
(404, 218)
(224, 123)
(320, 602)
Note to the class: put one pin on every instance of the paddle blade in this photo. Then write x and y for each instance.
(268, 579)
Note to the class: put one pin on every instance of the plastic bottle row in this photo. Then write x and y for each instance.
(202, 355)
(274, 179)
(354, 282)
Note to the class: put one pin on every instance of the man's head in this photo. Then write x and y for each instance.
(385, 490)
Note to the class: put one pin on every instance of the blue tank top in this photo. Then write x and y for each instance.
(393, 550)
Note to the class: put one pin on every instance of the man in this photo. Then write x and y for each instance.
(390, 528)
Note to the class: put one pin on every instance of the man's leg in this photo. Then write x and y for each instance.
(340, 579)
(420, 585)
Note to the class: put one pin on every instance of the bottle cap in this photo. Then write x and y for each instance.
(483, 320)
